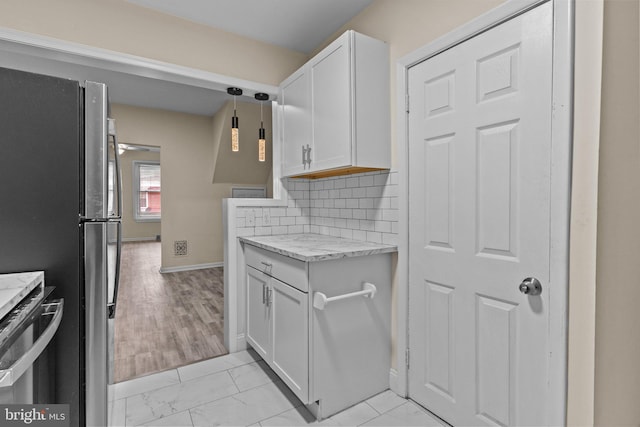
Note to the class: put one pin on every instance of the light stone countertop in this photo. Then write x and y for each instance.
(15, 286)
(316, 247)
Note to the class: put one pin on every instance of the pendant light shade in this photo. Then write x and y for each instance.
(262, 144)
(235, 133)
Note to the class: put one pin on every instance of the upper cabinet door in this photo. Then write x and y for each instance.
(296, 122)
(336, 110)
(331, 106)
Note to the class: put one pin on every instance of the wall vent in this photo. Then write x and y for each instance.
(180, 248)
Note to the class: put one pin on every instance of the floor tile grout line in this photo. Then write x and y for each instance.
(193, 407)
(280, 413)
(371, 406)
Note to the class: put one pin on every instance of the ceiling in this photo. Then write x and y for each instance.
(300, 25)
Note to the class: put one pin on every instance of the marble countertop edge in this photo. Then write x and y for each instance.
(316, 247)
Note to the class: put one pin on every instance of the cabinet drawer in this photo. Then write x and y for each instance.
(288, 270)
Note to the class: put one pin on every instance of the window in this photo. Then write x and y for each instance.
(146, 191)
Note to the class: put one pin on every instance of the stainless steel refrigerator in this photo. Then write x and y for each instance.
(60, 212)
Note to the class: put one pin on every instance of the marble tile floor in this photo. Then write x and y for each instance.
(239, 389)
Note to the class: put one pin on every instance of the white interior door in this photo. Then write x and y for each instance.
(479, 215)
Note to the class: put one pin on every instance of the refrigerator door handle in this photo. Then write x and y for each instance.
(117, 171)
(9, 376)
(112, 305)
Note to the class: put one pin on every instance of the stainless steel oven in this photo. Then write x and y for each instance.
(26, 358)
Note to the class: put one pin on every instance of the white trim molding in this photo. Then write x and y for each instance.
(191, 267)
(140, 239)
(79, 54)
(563, 12)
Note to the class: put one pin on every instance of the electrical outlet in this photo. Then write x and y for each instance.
(250, 219)
(266, 217)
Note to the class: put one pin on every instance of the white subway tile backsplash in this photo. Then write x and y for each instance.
(374, 237)
(381, 179)
(390, 239)
(287, 220)
(278, 212)
(360, 213)
(245, 231)
(394, 203)
(374, 191)
(263, 231)
(346, 193)
(346, 233)
(367, 225)
(346, 213)
(359, 235)
(366, 181)
(361, 207)
(352, 203)
(294, 229)
(390, 214)
(281, 229)
(383, 226)
(366, 203)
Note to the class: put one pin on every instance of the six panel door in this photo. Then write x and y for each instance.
(479, 216)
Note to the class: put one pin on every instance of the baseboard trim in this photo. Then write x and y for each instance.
(393, 383)
(190, 267)
(139, 239)
(241, 343)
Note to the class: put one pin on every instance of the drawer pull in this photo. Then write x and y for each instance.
(266, 264)
(320, 300)
(264, 293)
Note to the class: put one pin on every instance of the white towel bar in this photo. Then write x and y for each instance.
(320, 300)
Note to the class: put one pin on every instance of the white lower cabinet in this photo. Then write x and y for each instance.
(290, 337)
(331, 358)
(277, 328)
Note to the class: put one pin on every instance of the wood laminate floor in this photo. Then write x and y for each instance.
(164, 321)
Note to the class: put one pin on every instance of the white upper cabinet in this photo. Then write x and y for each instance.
(335, 110)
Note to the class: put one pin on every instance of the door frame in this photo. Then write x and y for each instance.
(561, 148)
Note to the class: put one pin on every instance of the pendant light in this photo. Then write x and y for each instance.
(235, 137)
(262, 145)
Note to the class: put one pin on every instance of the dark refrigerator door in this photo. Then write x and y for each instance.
(40, 130)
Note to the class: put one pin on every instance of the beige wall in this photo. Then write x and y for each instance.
(191, 206)
(617, 357)
(124, 27)
(241, 167)
(584, 205)
(131, 229)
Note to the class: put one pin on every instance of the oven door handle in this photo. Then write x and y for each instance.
(9, 376)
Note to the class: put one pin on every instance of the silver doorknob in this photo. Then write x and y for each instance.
(531, 286)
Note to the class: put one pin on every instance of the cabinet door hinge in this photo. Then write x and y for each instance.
(406, 357)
